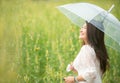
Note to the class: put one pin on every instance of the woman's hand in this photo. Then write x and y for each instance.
(69, 79)
(72, 68)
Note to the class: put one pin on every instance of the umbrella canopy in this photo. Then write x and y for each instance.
(78, 13)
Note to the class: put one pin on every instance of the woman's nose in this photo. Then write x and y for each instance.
(81, 30)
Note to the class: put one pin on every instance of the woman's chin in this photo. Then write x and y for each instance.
(81, 38)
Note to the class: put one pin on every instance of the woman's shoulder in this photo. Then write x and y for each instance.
(88, 49)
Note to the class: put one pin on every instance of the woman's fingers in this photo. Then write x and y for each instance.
(69, 79)
(65, 79)
(71, 67)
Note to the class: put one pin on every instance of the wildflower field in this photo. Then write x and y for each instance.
(37, 41)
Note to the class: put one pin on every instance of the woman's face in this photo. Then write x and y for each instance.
(83, 33)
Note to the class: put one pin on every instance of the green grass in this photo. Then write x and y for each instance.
(37, 42)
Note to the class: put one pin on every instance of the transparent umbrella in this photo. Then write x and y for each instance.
(78, 13)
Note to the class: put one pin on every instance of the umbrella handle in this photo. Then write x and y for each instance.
(111, 8)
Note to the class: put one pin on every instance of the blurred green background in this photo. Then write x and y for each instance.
(37, 41)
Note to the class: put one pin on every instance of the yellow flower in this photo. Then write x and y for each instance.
(37, 48)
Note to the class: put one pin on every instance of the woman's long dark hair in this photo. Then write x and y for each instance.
(95, 38)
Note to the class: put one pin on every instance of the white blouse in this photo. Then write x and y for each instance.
(87, 65)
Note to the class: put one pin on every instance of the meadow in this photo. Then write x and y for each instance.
(37, 41)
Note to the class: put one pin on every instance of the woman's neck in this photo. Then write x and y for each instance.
(86, 43)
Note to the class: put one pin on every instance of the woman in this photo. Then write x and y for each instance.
(92, 60)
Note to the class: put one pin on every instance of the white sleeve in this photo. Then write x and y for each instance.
(89, 56)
